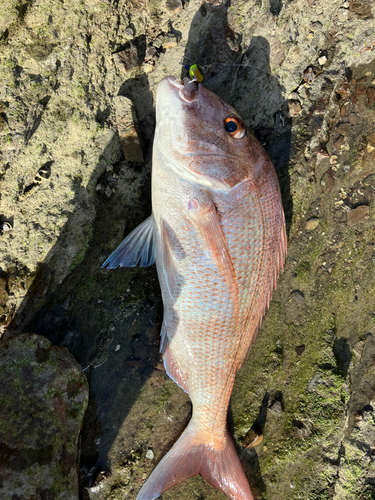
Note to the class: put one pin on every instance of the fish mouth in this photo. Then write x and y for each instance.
(187, 92)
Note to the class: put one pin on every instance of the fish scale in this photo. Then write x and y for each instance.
(217, 233)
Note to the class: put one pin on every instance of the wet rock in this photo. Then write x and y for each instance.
(174, 7)
(127, 126)
(312, 224)
(358, 215)
(43, 397)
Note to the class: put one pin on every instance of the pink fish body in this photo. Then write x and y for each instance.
(217, 233)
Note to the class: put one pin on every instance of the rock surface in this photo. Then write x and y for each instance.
(301, 73)
(43, 397)
(127, 126)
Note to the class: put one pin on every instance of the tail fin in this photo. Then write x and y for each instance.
(189, 457)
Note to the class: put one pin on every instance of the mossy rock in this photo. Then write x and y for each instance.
(43, 397)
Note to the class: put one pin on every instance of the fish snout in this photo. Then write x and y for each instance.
(187, 92)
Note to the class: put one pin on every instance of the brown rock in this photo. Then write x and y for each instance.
(174, 7)
(344, 89)
(127, 126)
(360, 87)
(361, 8)
(294, 107)
(327, 181)
(127, 60)
(371, 95)
(357, 215)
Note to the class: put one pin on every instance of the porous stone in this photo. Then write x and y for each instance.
(43, 397)
(127, 126)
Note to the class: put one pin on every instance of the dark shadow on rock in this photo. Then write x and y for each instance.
(343, 355)
(249, 457)
(137, 90)
(242, 77)
(99, 314)
(251, 466)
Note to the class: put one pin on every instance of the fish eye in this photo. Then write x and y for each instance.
(234, 127)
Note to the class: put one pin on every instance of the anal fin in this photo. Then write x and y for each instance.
(173, 369)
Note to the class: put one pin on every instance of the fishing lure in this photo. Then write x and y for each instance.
(195, 72)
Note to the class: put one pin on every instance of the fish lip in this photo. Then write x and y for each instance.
(173, 82)
(184, 94)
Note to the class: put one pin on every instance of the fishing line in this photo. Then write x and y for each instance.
(197, 72)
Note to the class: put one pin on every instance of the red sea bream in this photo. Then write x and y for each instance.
(217, 234)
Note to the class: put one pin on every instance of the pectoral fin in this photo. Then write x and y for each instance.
(138, 246)
(206, 221)
(169, 264)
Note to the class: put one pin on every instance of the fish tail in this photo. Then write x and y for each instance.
(189, 457)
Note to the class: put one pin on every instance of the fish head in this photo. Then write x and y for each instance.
(204, 138)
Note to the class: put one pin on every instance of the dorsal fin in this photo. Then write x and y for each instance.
(138, 246)
(279, 264)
